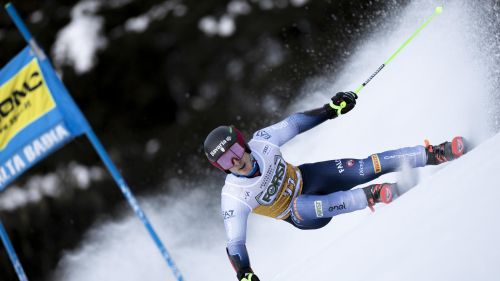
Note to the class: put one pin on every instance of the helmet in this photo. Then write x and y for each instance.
(223, 144)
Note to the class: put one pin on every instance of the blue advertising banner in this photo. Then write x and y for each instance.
(37, 115)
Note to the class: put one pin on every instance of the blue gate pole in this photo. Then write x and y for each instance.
(12, 254)
(24, 31)
(132, 201)
(102, 153)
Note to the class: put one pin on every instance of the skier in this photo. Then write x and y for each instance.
(259, 180)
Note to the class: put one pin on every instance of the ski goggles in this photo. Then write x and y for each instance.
(226, 159)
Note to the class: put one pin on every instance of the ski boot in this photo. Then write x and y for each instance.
(384, 192)
(447, 151)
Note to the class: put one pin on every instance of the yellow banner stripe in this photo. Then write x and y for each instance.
(23, 99)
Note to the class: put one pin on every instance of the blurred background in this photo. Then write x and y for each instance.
(153, 77)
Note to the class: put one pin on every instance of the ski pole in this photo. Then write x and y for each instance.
(437, 11)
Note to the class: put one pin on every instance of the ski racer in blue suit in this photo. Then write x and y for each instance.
(307, 196)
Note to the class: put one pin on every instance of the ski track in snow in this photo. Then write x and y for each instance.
(443, 229)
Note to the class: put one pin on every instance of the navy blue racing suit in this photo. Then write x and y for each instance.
(307, 196)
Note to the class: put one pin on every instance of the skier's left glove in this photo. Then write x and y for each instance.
(246, 274)
(342, 103)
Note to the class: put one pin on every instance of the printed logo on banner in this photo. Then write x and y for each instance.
(376, 164)
(32, 152)
(23, 99)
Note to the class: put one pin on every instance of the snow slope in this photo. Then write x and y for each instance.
(445, 228)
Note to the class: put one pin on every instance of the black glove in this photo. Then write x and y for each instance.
(246, 274)
(343, 102)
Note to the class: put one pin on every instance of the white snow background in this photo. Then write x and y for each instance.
(445, 228)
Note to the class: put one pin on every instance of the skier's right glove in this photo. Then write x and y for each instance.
(343, 102)
(246, 274)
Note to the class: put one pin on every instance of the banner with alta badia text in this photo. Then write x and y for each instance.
(37, 114)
